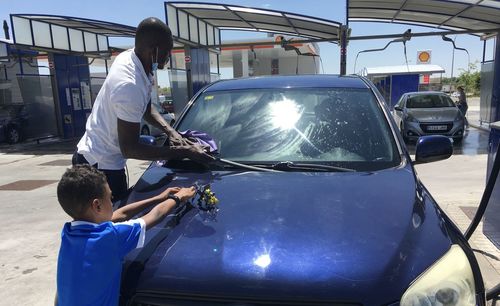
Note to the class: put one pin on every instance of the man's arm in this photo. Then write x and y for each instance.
(128, 138)
(152, 116)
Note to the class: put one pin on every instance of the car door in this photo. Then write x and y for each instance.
(398, 110)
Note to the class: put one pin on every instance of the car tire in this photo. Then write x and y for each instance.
(458, 140)
(13, 135)
(145, 131)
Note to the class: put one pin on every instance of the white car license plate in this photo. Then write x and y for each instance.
(437, 128)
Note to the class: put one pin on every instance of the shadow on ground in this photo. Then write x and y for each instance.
(45, 147)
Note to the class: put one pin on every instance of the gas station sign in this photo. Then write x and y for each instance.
(424, 57)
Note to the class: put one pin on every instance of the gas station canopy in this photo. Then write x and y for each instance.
(4, 52)
(199, 23)
(453, 15)
(66, 34)
(402, 69)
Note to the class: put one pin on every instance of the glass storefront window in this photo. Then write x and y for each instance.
(178, 81)
(178, 60)
(214, 65)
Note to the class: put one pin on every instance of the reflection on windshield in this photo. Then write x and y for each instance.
(328, 126)
(284, 113)
(429, 101)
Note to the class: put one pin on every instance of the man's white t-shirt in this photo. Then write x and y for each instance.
(124, 95)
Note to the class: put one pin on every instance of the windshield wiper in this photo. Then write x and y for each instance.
(284, 166)
(244, 166)
(288, 165)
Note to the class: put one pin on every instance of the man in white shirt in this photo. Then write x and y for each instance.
(113, 127)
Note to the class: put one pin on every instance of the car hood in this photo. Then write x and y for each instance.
(441, 114)
(351, 237)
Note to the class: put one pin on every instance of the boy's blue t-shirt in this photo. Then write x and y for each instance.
(90, 260)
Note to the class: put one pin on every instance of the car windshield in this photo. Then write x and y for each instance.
(429, 101)
(340, 127)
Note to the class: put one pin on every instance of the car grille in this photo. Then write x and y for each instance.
(436, 128)
(193, 301)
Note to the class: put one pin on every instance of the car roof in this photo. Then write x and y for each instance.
(293, 81)
(416, 93)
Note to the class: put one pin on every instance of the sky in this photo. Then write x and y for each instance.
(130, 12)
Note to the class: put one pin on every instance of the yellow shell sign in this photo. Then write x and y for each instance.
(424, 57)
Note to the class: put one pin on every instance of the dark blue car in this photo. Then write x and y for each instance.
(319, 204)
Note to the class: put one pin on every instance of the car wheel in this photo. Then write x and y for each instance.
(458, 140)
(145, 131)
(13, 135)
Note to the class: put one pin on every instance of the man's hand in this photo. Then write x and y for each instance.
(176, 139)
(197, 153)
(172, 190)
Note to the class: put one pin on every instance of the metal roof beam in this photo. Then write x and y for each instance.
(268, 30)
(386, 36)
(102, 26)
(399, 11)
(290, 23)
(459, 13)
(241, 18)
(425, 34)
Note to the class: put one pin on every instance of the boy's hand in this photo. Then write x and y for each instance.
(161, 210)
(171, 190)
(185, 194)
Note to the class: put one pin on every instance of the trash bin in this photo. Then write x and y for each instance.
(491, 225)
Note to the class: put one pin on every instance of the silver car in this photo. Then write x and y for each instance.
(428, 113)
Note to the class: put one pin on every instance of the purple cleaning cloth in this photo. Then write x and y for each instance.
(202, 138)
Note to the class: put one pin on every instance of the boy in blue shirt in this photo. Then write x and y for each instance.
(94, 244)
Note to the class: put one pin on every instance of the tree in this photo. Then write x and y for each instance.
(166, 91)
(448, 81)
(470, 79)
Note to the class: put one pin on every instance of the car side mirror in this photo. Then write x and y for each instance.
(147, 140)
(432, 148)
(398, 108)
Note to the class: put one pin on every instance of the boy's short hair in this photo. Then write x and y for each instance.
(78, 187)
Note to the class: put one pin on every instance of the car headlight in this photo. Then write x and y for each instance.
(449, 281)
(410, 118)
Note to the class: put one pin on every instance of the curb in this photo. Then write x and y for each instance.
(479, 127)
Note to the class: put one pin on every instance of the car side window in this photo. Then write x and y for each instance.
(401, 101)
